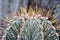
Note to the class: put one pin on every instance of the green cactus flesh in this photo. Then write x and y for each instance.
(33, 29)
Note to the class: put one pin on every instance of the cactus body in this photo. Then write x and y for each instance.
(32, 29)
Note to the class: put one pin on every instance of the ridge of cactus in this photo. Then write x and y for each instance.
(12, 31)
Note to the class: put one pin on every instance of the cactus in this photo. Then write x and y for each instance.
(31, 29)
(34, 25)
(41, 30)
(37, 24)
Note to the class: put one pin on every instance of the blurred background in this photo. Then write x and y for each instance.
(7, 7)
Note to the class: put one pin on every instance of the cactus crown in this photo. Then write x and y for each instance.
(31, 25)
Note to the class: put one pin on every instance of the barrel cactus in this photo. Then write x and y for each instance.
(30, 27)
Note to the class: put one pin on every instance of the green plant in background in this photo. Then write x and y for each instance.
(31, 29)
